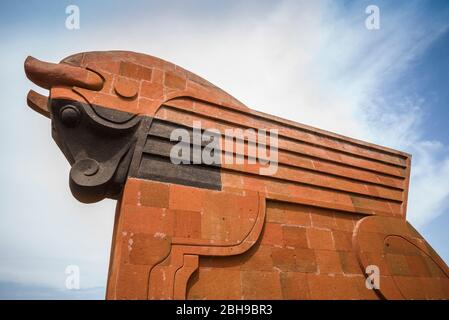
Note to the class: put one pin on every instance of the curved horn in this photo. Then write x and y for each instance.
(38, 103)
(46, 75)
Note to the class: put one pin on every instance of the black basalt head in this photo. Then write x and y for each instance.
(98, 143)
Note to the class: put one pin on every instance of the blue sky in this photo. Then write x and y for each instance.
(310, 61)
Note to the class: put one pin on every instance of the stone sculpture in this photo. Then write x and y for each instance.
(333, 212)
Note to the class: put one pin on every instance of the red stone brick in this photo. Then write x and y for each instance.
(147, 249)
(187, 224)
(306, 260)
(223, 262)
(417, 266)
(411, 287)
(397, 264)
(297, 217)
(149, 220)
(349, 263)
(153, 194)
(389, 289)
(157, 76)
(290, 214)
(147, 106)
(272, 234)
(322, 218)
(132, 70)
(284, 259)
(371, 242)
(325, 287)
(435, 288)
(342, 240)
(131, 191)
(151, 90)
(179, 201)
(275, 215)
(215, 284)
(258, 258)
(294, 286)
(344, 221)
(434, 269)
(328, 262)
(320, 239)
(172, 80)
(129, 283)
(260, 285)
(294, 236)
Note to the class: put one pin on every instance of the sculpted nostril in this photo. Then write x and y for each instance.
(88, 167)
(70, 116)
(91, 169)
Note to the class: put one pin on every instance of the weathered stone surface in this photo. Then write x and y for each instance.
(334, 207)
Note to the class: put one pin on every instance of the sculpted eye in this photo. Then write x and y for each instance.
(70, 116)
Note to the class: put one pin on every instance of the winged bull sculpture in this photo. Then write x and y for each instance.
(328, 223)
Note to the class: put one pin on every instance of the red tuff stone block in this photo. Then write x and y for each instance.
(294, 286)
(153, 194)
(179, 201)
(349, 263)
(132, 70)
(320, 239)
(306, 260)
(172, 80)
(297, 217)
(397, 264)
(157, 76)
(215, 284)
(147, 249)
(284, 259)
(389, 289)
(411, 287)
(435, 270)
(328, 262)
(294, 236)
(187, 224)
(152, 91)
(325, 287)
(147, 106)
(344, 222)
(293, 215)
(275, 214)
(417, 266)
(371, 242)
(272, 234)
(129, 283)
(148, 220)
(259, 257)
(435, 288)
(231, 262)
(322, 219)
(342, 240)
(260, 284)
